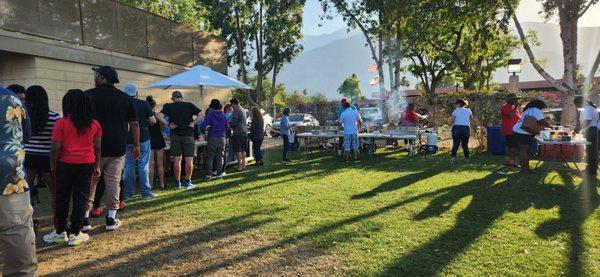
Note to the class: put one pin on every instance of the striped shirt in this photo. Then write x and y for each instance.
(41, 141)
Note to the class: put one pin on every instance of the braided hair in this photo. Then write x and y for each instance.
(79, 108)
(36, 101)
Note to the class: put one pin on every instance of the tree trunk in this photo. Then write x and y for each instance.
(382, 92)
(273, 87)
(259, 57)
(568, 35)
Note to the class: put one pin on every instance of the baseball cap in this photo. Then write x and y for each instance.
(130, 89)
(344, 100)
(108, 72)
(176, 94)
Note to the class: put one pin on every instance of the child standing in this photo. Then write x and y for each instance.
(75, 159)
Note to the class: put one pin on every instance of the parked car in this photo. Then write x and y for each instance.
(371, 117)
(267, 118)
(301, 119)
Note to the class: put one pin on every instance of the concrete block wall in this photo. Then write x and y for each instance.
(58, 76)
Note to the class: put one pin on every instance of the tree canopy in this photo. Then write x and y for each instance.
(350, 87)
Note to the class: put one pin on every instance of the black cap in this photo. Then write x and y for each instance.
(234, 101)
(214, 104)
(109, 73)
(176, 94)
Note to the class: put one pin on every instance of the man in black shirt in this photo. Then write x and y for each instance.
(181, 121)
(116, 114)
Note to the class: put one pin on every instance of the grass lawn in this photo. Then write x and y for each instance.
(392, 215)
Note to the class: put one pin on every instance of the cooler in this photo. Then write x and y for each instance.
(570, 152)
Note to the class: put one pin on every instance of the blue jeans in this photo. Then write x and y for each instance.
(143, 163)
(286, 146)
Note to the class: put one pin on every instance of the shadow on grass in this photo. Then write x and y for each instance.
(145, 258)
(574, 208)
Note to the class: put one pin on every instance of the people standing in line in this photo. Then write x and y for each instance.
(157, 147)
(75, 158)
(17, 238)
(461, 129)
(216, 122)
(533, 108)
(115, 112)
(351, 121)
(510, 116)
(37, 148)
(588, 124)
(239, 138)
(257, 135)
(284, 130)
(182, 123)
(145, 118)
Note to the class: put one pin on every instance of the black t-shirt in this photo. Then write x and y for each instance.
(143, 111)
(114, 110)
(182, 114)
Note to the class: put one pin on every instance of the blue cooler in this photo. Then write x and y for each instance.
(495, 140)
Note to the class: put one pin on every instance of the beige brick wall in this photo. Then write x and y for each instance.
(58, 76)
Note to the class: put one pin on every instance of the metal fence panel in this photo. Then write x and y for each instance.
(159, 37)
(60, 19)
(99, 23)
(132, 31)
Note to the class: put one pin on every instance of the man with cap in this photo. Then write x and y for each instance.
(116, 114)
(145, 117)
(217, 122)
(181, 122)
(510, 116)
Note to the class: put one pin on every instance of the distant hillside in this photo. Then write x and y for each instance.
(328, 59)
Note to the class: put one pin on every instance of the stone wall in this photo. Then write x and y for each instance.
(57, 76)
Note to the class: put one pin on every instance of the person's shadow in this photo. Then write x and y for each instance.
(491, 199)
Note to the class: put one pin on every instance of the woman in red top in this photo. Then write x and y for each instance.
(410, 118)
(75, 159)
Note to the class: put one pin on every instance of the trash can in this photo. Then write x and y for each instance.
(495, 140)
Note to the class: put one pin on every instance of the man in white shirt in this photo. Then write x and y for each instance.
(588, 123)
(351, 121)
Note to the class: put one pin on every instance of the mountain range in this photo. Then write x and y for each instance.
(329, 58)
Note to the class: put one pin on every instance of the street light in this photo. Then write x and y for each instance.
(514, 67)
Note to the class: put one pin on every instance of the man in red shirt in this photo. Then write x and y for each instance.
(510, 116)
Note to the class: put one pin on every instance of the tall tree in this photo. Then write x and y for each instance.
(282, 36)
(350, 87)
(569, 12)
(367, 16)
(184, 11)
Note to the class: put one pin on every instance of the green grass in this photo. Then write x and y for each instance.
(392, 215)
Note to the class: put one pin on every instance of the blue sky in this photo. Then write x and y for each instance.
(527, 12)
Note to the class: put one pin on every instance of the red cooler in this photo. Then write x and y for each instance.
(571, 152)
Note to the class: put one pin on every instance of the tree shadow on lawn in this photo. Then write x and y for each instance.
(490, 201)
(574, 209)
(170, 250)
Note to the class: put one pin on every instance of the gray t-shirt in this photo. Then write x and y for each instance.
(238, 122)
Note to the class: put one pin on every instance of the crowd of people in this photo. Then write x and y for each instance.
(107, 142)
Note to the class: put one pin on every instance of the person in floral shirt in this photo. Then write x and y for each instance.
(17, 238)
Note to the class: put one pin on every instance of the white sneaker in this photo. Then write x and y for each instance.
(55, 237)
(77, 240)
(112, 224)
(86, 225)
(221, 176)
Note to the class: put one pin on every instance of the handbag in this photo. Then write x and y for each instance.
(531, 125)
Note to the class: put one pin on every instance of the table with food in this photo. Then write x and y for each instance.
(562, 146)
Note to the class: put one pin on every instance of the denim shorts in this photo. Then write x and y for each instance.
(351, 142)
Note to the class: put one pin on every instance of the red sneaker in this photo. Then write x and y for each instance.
(96, 212)
(121, 206)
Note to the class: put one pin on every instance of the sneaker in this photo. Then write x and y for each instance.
(221, 176)
(86, 225)
(78, 239)
(187, 184)
(96, 212)
(208, 178)
(112, 224)
(177, 185)
(56, 237)
(356, 161)
(149, 196)
(214, 173)
(121, 206)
